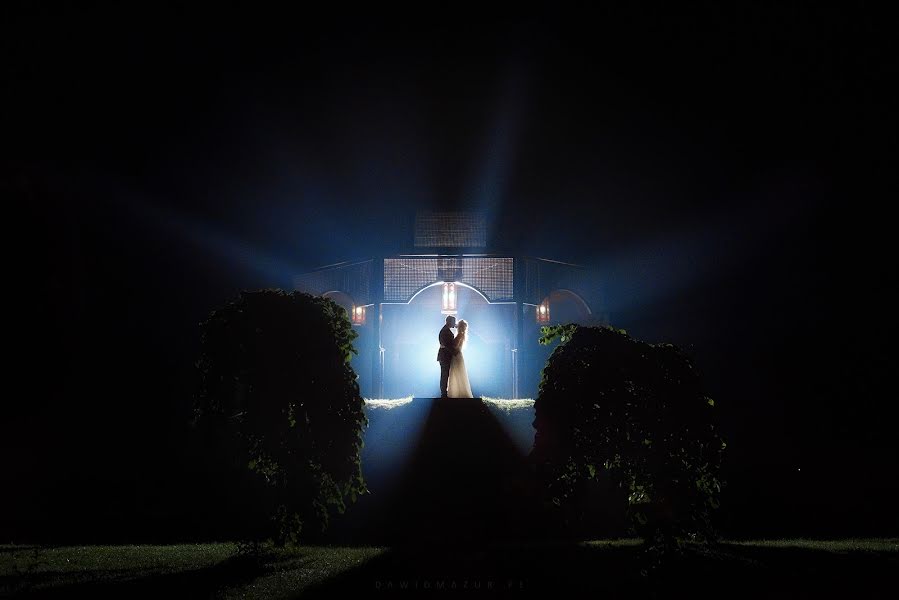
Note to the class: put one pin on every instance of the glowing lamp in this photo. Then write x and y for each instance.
(358, 315)
(449, 298)
(543, 312)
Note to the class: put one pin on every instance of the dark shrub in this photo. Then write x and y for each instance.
(278, 393)
(612, 406)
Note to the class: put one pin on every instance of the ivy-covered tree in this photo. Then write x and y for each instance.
(278, 391)
(612, 406)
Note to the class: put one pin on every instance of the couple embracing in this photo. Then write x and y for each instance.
(453, 375)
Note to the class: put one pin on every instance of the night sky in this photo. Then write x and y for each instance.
(728, 171)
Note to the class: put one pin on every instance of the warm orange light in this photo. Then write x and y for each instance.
(543, 312)
(358, 315)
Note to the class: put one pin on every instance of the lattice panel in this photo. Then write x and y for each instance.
(354, 279)
(405, 276)
(450, 230)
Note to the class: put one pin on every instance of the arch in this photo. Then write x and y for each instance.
(331, 293)
(341, 298)
(566, 293)
(430, 285)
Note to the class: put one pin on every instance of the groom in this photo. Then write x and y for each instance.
(446, 352)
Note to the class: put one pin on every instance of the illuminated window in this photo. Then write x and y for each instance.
(449, 298)
(358, 315)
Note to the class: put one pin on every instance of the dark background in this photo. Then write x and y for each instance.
(730, 172)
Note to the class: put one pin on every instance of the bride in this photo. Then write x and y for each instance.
(457, 385)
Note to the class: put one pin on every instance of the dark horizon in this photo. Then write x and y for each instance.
(723, 170)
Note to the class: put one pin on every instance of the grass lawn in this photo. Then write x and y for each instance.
(183, 570)
(610, 568)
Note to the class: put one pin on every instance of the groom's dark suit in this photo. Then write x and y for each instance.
(445, 356)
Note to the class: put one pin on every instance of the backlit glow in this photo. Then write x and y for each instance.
(387, 403)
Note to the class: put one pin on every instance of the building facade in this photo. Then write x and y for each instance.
(398, 304)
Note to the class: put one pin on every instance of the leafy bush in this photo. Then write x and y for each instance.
(277, 389)
(612, 406)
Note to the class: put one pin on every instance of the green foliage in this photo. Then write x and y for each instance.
(612, 406)
(277, 389)
(563, 333)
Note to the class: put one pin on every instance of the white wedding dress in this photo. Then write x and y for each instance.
(457, 385)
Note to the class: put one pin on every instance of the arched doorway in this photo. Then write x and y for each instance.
(409, 338)
(567, 307)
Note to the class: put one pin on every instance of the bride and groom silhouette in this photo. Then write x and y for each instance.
(453, 374)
